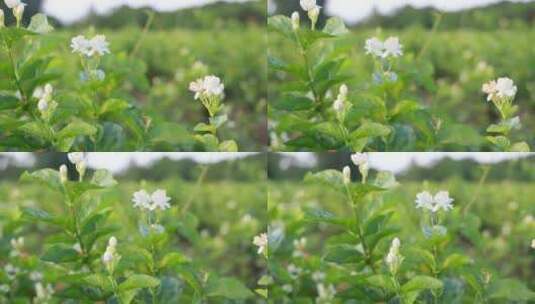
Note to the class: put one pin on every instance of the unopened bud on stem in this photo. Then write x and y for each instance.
(347, 175)
(295, 21)
(63, 174)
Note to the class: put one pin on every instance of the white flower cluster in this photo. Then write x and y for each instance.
(326, 294)
(43, 294)
(44, 95)
(503, 88)
(209, 86)
(394, 259)
(339, 104)
(145, 201)
(110, 256)
(261, 241)
(441, 200)
(378, 48)
(17, 245)
(97, 45)
(18, 9)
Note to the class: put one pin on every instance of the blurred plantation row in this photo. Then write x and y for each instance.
(154, 57)
(205, 224)
(314, 259)
(443, 72)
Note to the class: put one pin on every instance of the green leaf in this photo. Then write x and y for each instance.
(282, 25)
(455, 261)
(103, 178)
(361, 190)
(60, 253)
(113, 105)
(519, 147)
(382, 281)
(343, 254)
(173, 259)
(8, 102)
(421, 282)
(39, 24)
(369, 130)
(77, 128)
(228, 288)
(12, 35)
(228, 146)
(335, 26)
(38, 130)
(219, 120)
(100, 281)
(47, 177)
(35, 214)
(209, 141)
(499, 129)
(136, 281)
(309, 37)
(330, 177)
(510, 289)
(293, 102)
(127, 296)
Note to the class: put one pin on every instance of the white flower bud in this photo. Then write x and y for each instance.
(42, 105)
(313, 14)
(112, 242)
(81, 167)
(347, 175)
(18, 11)
(533, 243)
(295, 21)
(63, 173)
(343, 90)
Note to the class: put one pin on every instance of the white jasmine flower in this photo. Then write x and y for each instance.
(506, 88)
(374, 47)
(442, 200)
(294, 271)
(17, 243)
(4, 288)
(318, 276)
(343, 90)
(209, 86)
(110, 256)
(76, 157)
(308, 5)
(261, 241)
(80, 44)
(43, 294)
(142, 199)
(12, 3)
(424, 200)
(346, 172)
(11, 271)
(36, 276)
(98, 45)
(359, 159)
(213, 85)
(533, 243)
(325, 294)
(295, 20)
(392, 47)
(18, 11)
(160, 200)
(489, 88)
(287, 288)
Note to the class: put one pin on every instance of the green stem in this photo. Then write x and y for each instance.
(317, 98)
(360, 235)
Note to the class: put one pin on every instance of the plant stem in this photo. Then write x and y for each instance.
(200, 179)
(317, 99)
(367, 252)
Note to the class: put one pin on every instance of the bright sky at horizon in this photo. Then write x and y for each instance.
(360, 9)
(70, 11)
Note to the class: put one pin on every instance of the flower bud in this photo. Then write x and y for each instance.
(295, 21)
(2, 19)
(42, 105)
(63, 174)
(347, 175)
(394, 259)
(313, 15)
(81, 167)
(343, 90)
(18, 11)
